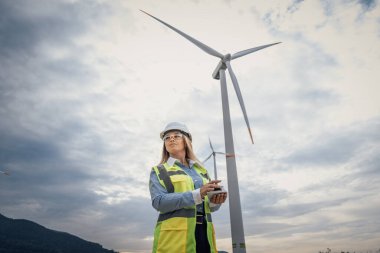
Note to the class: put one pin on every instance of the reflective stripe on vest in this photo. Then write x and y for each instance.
(186, 213)
(208, 216)
(205, 175)
(164, 176)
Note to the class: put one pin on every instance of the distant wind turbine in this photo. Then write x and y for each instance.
(213, 153)
(237, 230)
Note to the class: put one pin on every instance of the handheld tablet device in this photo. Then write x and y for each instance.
(216, 191)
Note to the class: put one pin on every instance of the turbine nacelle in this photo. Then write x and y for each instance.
(221, 65)
(226, 57)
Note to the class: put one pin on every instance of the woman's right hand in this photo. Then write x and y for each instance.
(210, 186)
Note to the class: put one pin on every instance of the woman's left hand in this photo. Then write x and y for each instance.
(219, 198)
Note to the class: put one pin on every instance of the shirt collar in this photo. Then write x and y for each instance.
(172, 160)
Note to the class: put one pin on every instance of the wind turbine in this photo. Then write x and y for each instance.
(237, 229)
(213, 153)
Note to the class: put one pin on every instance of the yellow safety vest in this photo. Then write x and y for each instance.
(175, 231)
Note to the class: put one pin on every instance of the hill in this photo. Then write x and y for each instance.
(24, 236)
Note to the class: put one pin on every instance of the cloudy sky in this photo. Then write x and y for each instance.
(86, 87)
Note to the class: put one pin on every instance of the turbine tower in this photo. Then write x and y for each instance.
(236, 219)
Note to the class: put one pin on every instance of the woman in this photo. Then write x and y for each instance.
(178, 188)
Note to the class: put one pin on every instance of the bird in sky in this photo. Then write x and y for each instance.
(4, 172)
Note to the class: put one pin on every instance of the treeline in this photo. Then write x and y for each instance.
(17, 246)
(330, 251)
(23, 236)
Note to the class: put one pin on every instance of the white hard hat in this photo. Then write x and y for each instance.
(176, 126)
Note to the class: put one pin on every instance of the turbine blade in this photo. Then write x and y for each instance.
(205, 160)
(220, 153)
(251, 50)
(239, 96)
(212, 148)
(199, 44)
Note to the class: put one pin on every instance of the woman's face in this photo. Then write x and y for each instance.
(174, 142)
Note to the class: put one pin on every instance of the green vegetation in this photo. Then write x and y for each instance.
(328, 250)
(23, 236)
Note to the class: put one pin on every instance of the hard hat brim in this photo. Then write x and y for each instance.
(162, 134)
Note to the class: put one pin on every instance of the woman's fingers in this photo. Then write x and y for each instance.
(207, 188)
(224, 197)
(219, 198)
(210, 186)
(216, 199)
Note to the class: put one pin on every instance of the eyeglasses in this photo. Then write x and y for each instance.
(176, 137)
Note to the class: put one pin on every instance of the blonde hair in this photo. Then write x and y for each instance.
(188, 149)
